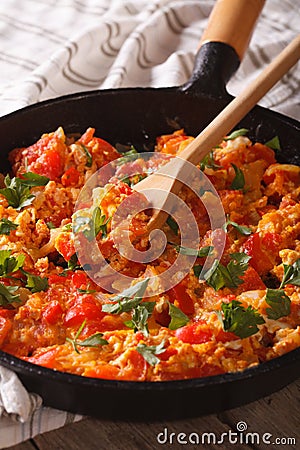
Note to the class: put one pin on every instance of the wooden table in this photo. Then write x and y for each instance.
(277, 415)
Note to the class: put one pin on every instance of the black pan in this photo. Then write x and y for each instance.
(137, 116)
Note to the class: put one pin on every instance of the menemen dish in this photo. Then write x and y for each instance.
(243, 312)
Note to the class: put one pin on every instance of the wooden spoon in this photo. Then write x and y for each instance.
(165, 180)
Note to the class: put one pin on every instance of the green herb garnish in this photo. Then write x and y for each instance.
(236, 133)
(91, 227)
(35, 283)
(240, 320)
(134, 179)
(67, 227)
(6, 226)
(219, 276)
(17, 190)
(274, 143)
(242, 229)
(280, 304)
(127, 300)
(7, 296)
(209, 162)
(86, 291)
(89, 158)
(73, 263)
(291, 274)
(140, 316)
(50, 225)
(10, 264)
(127, 156)
(92, 341)
(238, 183)
(178, 318)
(201, 253)
(149, 352)
(197, 270)
(173, 225)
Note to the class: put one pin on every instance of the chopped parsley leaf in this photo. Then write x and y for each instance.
(279, 302)
(149, 352)
(240, 320)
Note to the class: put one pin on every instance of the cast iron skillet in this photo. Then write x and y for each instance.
(137, 116)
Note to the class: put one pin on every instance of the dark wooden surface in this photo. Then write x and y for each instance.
(278, 415)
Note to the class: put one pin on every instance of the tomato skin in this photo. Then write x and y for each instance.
(271, 241)
(123, 188)
(138, 227)
(260, 260)
(135, 370)
(70, 177)
(7, 313)
(64, 244)
(170, 351)
(5, 327)
(169, 143)
(251, 281)
(85, 308)
(104, 371)
(79, 279)
(51, 165)
(52, 313)
(53, 279)
(45, 157)
(226, 336)
(99, 147)
(107, 247)
(45, 359)
(179, 295)
(195, 333)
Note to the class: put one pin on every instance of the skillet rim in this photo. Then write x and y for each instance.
(24, 368)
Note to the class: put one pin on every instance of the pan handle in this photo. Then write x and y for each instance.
(223, 45)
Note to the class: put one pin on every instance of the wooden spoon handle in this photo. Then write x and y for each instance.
(232, 22)
(213, 134)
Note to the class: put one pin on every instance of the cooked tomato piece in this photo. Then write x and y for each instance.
(251, 281)
(261, 151)
(58, 279)
(107, 247)
(225, 336)
(123, 188)
(170, 351)
(5, 327)
(271, 242)
(181, 298)
(70, 177)
(104, 371)
(79, 279)
(169, 143)
(135, 369)
(138, 227)
(64, 244)
(260, 260)
(52, 312)
(100, 149)
(87, 308)
(45, 157)
(46, 358)
(195, 333)
(7, 313)
(50, 165)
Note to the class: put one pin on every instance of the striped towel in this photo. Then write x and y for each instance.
(53, 47)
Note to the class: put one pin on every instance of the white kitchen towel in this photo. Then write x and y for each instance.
(53, 47)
